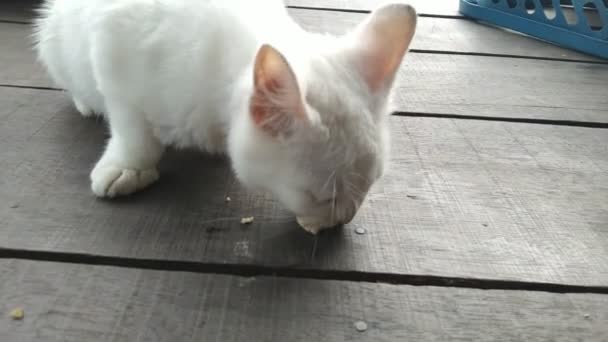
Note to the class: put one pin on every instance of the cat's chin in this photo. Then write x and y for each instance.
(313, 226)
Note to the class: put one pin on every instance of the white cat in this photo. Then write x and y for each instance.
(302, 115)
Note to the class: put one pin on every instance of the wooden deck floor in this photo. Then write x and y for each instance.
(492, 223)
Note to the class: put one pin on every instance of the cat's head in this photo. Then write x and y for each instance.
(319, 144)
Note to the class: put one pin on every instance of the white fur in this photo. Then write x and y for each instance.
(180, 72)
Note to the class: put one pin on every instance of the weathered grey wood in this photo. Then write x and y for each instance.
(24, 10)
(471, 85)
(21, 10)
(18, 63)
(429, 7)
(64, 302)
(18, 10)
(453, 35)
(461, 198)
(503, 87)
(433, 33)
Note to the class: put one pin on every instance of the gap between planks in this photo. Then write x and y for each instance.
(17, 22)
(350, 10)
(570, 123)
(502, 55)
(426, 51)
(244, 270)
(311, 8)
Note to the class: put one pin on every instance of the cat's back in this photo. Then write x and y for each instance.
(165, 56)
(144, 16)
(62, 41)
(124, 35)
(150, 28)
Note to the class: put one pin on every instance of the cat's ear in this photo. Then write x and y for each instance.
(381, 42)
(276, 104)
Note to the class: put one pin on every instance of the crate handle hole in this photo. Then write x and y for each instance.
(593, 16)
(567, 9)
(549, 10)
(530, 6)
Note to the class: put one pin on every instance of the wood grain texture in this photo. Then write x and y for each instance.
(461, 36)
(451, 35)
(429, 83)
(18, 10)
(21, 10)
(462, 198)
(428, 7)
(65, 302)
(455, 35)
(502, 87)
(18, 63)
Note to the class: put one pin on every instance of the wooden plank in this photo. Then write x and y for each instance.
(429, 83)
(18, 10)
(432, 7)
(18, 63)
(503, 87)
(65, 302)
(453, 35)
(24, 10)
(461, 199)
(21, 10)
(461, 36)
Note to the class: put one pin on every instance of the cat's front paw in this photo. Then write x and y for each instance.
(112, 181)
(83, 109)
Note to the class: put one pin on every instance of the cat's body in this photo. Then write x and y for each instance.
(209, 74)
(187, 92)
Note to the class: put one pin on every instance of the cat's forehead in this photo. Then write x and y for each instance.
(340, 109)
(332, 86)
(341, 103)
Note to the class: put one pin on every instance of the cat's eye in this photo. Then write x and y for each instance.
(328, 201)
(322, 201)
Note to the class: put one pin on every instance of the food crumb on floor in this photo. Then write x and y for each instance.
(17, 314)
(361, 326)
(247, 220)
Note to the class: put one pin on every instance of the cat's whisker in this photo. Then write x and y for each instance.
(353, 190)
(329, 179)
(358, 175)
(277, 219)
(314, 248)
(333, 203)
(258, 219)
(355, 204)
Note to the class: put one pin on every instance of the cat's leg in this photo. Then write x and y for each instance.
(129, 161)
(87, 100)
(82, 108)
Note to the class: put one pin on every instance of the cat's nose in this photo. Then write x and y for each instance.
(348, 219)
(348, 215)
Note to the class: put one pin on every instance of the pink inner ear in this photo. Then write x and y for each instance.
(276, 100)
(382, 42)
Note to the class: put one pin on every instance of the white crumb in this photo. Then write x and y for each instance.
(247, 220)
(360, 326)
(17, 314)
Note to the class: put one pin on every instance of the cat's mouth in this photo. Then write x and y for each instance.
(333, 216)
(314, 225)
